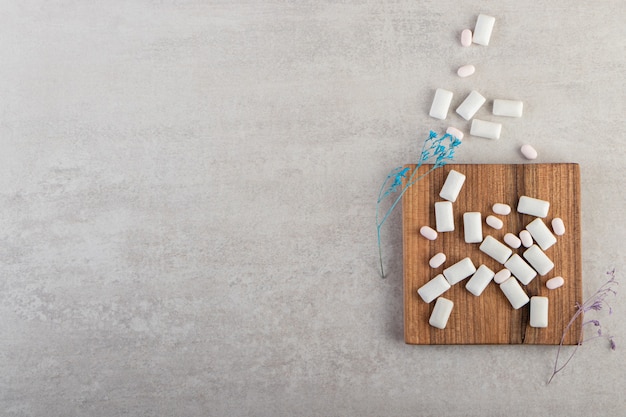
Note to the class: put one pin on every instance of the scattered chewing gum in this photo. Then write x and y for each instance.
(554, 283)
(437, 260)
(512, 240)
(558, 227)
(441, 104)
(485, 129)
(470, 105)
(472, 227)
(514, 293)
(498, 251)
(433, 288)
(538, 260)
(520, 269)
(444, 216)
(529, 152)
(428, 232)
(452, 186)
(538, 311)
(494, 222)
(466, 70)
(459, 271)
(455, 132)
(501, 276)
(441, 313)
(501, 208)
(533, 206)
(508, 108)
(466, 37)
(526, 238)
(541, 234)
(479, 281)
(483, 29)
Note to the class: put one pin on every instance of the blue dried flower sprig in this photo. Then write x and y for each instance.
(440, 150)
(596, 302)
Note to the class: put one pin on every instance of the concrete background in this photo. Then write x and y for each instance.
(188, 192)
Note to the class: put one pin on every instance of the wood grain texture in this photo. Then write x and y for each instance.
(489, 318)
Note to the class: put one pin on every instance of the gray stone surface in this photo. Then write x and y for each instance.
(188, 192)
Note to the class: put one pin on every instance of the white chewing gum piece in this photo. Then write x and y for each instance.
(508, 108)
(441, 104)
(520, 269)
(433, 288)
(444, 216)
(459, 271)
(484, 129)
(441, 313)
(538, 311)
(538, 260)
(514, 293)
(533, 206)
(470, 105)
(472, 227)
(479, 281)
(483, 29)
(540, 232)
(498, 251)
(452, 186)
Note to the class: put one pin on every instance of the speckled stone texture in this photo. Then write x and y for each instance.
(188, 193)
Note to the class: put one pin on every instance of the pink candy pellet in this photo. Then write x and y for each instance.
(428, 232)
(466, 37)
(554, 283)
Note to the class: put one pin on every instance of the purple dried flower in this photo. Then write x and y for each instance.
(595, 303)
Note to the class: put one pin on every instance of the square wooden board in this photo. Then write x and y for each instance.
(489, 318)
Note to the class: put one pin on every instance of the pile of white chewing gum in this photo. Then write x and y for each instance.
(474, 101)
(536, 237)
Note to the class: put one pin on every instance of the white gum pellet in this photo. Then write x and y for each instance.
(512, 240)
(495, 249)
(533, 206)
(483, 29)
(444, 216)
(433, 288)
(558, 227)
(441, 104)
(501, 276)
(540, 232)
(466, 70)
(452, 186)
(479, 281)
(554, 283)
(437, 260)
(441, 313)
(526, 238)
(455, 132)
(509, 108)
(538, 260)
(428, 232)
(466, 37)
(529, 152)
(520, 269)
(538, 311)
(459, 271)
(484, 129)
(494, 222)
(514, 293)
(470, 105)
(501, 208)
(472, 227)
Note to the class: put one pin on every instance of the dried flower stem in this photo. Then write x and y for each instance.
(432, 147)
(595, 302)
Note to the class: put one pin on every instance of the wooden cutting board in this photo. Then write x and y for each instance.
(489, 318)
